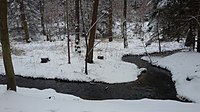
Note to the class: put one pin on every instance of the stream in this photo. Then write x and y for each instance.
(154, 83)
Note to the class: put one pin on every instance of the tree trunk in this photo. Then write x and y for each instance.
(10, 75)
(82, 20)
(42, 16)
(124, 28)
(194, 11)
(159, 41)
(24, 20)
(190, 39)
(197, 2)
(93, 31)
(77, 28)
(66, 19)
(198, 37)
(110, 22)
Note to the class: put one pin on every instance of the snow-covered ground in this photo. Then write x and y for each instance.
(185, 67)
(26, 60)
(111, 69)
(33, 100)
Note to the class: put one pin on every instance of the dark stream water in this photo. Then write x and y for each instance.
(155, 83)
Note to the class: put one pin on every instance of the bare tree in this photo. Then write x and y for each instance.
(198, 25)
(42, 16)
(93, 31)
(110, 22)
(24, 20)
(159, 41)
(77, 24)
(124, 27)
(66, 19)
(198, 38)
(10, 75)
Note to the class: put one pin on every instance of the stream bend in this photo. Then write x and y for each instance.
(155, 83)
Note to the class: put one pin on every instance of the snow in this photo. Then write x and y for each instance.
(32, 100)
(185, 69)
(26, 60)
(110, 70)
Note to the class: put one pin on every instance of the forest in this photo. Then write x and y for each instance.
(91, 53)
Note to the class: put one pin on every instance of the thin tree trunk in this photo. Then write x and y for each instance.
(198, 37)
(198, 40)
(178, 32)
(194, 5)
(93, 31)
(110, 22)
(24, 20)
(85, 36)
(197, 2)
(66, 19)
(58, 15)
(10, 75)
(124, 27)
(190, 40)
(193, 36)
(42, 16)
(159, 43)
(77, 28)
(82, 20)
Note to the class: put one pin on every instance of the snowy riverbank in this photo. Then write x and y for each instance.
(111, 69)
